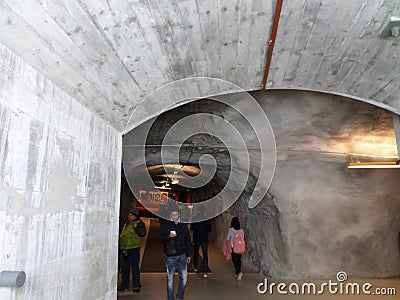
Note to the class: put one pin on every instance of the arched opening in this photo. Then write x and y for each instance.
(312, 191)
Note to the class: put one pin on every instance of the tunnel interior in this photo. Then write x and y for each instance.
(315, 208)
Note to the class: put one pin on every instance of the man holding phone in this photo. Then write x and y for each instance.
(177, 250)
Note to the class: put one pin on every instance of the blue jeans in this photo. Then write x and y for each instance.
(172, 263)
(131, 261)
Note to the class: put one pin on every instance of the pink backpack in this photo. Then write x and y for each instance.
(239, 245)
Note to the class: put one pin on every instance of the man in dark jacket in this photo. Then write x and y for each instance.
(177, 250)
(200, 239)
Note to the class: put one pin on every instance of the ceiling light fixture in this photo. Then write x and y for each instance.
(163, 187)
(174, 179)
(374, 165)
(382, 164)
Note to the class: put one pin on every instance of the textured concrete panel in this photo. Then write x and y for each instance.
(59, 185)
(337, 47)
(110, 54)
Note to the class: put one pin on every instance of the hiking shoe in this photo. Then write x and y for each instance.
(195, 269)
(240, 275)
(205, 275)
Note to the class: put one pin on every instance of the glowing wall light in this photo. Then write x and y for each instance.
(374, 165)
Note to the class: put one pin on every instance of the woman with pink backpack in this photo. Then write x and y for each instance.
(235, 237)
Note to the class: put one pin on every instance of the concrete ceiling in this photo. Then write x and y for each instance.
(110, 54)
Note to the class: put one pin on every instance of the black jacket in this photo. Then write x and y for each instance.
(200, 231)
(182, 242)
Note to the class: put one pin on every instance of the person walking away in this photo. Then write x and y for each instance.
(133, 230)
(200, 239)
(177, 250)
(232, 235)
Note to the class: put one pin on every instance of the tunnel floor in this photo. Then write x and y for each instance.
(222, 284)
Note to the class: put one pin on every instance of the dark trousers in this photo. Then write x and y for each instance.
(237, 262)
(204, 249)
(131, 261)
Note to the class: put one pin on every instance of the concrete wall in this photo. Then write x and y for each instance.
(324, 218)
(111, 54)
(60, 172)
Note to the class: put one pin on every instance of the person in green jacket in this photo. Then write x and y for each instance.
(133, 230)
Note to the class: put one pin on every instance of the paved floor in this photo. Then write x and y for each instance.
(221, 285)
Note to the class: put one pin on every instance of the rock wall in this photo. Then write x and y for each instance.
(323, 218)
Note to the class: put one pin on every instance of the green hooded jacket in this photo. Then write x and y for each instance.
(128, 237)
